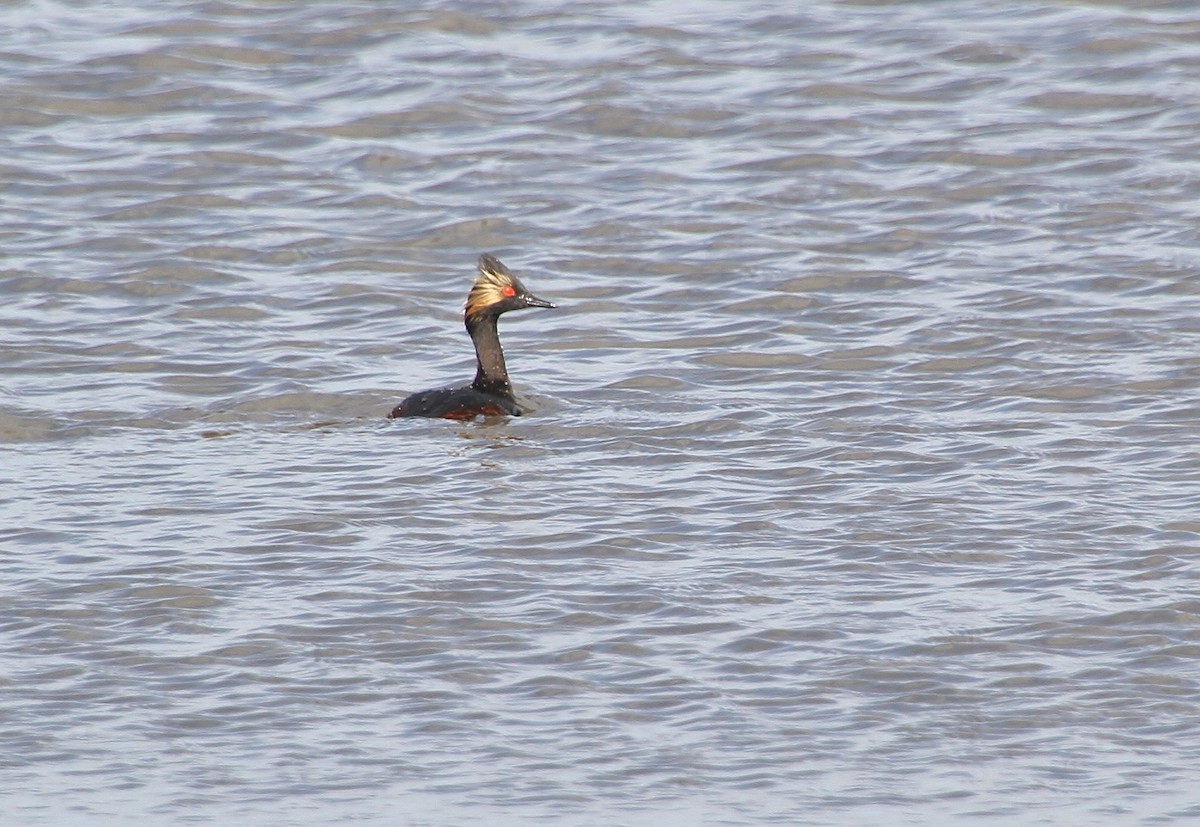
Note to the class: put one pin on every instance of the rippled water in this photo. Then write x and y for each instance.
(860, 482)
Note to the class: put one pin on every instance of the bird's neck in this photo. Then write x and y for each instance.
(491, 376)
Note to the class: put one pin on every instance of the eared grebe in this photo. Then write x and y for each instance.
(495, 291)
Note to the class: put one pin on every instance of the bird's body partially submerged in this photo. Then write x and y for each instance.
(455, 403)
(495, 291)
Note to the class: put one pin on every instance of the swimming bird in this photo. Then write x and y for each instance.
(496, 291)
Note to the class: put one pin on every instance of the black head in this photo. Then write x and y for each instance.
(497, 291)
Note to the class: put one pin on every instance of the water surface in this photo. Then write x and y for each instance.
(859, 482)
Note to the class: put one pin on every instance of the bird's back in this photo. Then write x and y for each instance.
(455, 403)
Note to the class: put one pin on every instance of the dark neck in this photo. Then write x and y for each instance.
(490, 376)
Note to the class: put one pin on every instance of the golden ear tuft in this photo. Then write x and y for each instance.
(492, 285)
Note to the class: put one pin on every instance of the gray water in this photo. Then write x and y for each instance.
(860, 478)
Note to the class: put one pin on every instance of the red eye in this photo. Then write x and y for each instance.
(509, 290)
